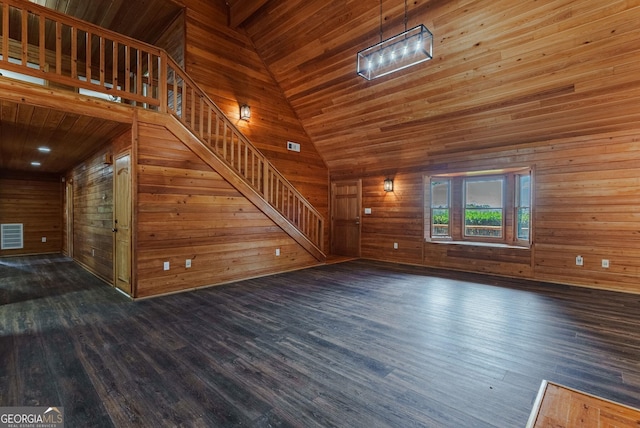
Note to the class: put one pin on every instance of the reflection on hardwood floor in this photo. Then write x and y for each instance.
(357, 344)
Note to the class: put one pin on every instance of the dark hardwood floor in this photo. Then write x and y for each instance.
(354, 344)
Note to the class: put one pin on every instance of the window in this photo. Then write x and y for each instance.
(523, 206)
(483, 207)
(479, 206)
(440, 196)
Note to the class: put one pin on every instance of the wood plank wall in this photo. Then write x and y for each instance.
(550, 84)
(504, 72)
(224, 63)
(187, 211)
(586, 202)
(92, 182)
(35, 200)
(395, 217)
(172, 39)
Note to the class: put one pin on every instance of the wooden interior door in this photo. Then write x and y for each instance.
(345, 217)
(122, 222)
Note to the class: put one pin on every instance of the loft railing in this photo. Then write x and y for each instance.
(70, 53)
(64, 52)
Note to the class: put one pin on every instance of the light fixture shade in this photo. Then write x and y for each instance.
(388, 185)
(245, 112)
(399, 52)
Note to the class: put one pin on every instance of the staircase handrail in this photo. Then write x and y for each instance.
(70, 53)
(191, 105)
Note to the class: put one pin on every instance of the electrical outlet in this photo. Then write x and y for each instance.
(367, 211)
(187, 263)
(395, 245)
(605, 263)
(277, 251)
(579, 261)
(294, 147)
(166, 265)
(44, 239)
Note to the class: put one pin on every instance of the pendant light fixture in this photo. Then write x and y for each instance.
(403, 50)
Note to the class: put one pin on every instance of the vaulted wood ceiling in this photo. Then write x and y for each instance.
(143, 20)
(504, 73)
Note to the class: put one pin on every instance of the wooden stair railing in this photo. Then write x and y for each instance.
(66, 52)
(199, 114)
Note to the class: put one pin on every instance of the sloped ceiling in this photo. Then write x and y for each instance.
(505, 74)
(144, 20)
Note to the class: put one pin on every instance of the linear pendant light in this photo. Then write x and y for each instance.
(403, 50)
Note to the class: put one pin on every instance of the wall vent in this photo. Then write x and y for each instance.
(11, 236)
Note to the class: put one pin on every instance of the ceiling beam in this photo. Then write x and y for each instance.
(241, 10)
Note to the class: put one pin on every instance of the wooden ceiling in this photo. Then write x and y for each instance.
(504, 73)
(143, 20)
(241, 10)
(71, 137)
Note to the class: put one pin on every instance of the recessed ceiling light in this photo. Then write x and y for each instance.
(35, 163)
(44, 149)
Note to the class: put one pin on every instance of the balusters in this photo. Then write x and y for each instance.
(102, 48)
(216, 140)
(87, 61)
(209, 114)
(41, 42)
(115, 66)
(25, 32)
(74, 53)
(138, 72)
(224, 140)
(152, 80)
(5, 32)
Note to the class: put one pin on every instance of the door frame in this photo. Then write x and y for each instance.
(358, 183)
(131, 224)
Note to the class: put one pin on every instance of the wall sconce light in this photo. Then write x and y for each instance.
(388, 185)
(245, 112)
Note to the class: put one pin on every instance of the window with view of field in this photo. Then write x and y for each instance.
(493, 207)
(484, 207)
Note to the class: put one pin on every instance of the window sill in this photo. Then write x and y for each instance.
(479, 244)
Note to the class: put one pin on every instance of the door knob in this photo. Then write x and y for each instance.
(115, 229)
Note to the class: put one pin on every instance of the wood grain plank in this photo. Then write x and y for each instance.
(34, 200)
(304, 349)
(187, 210)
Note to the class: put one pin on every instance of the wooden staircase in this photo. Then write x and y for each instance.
(66, 52)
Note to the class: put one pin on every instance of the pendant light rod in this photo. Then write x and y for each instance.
(380, 21)
(406, 20)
